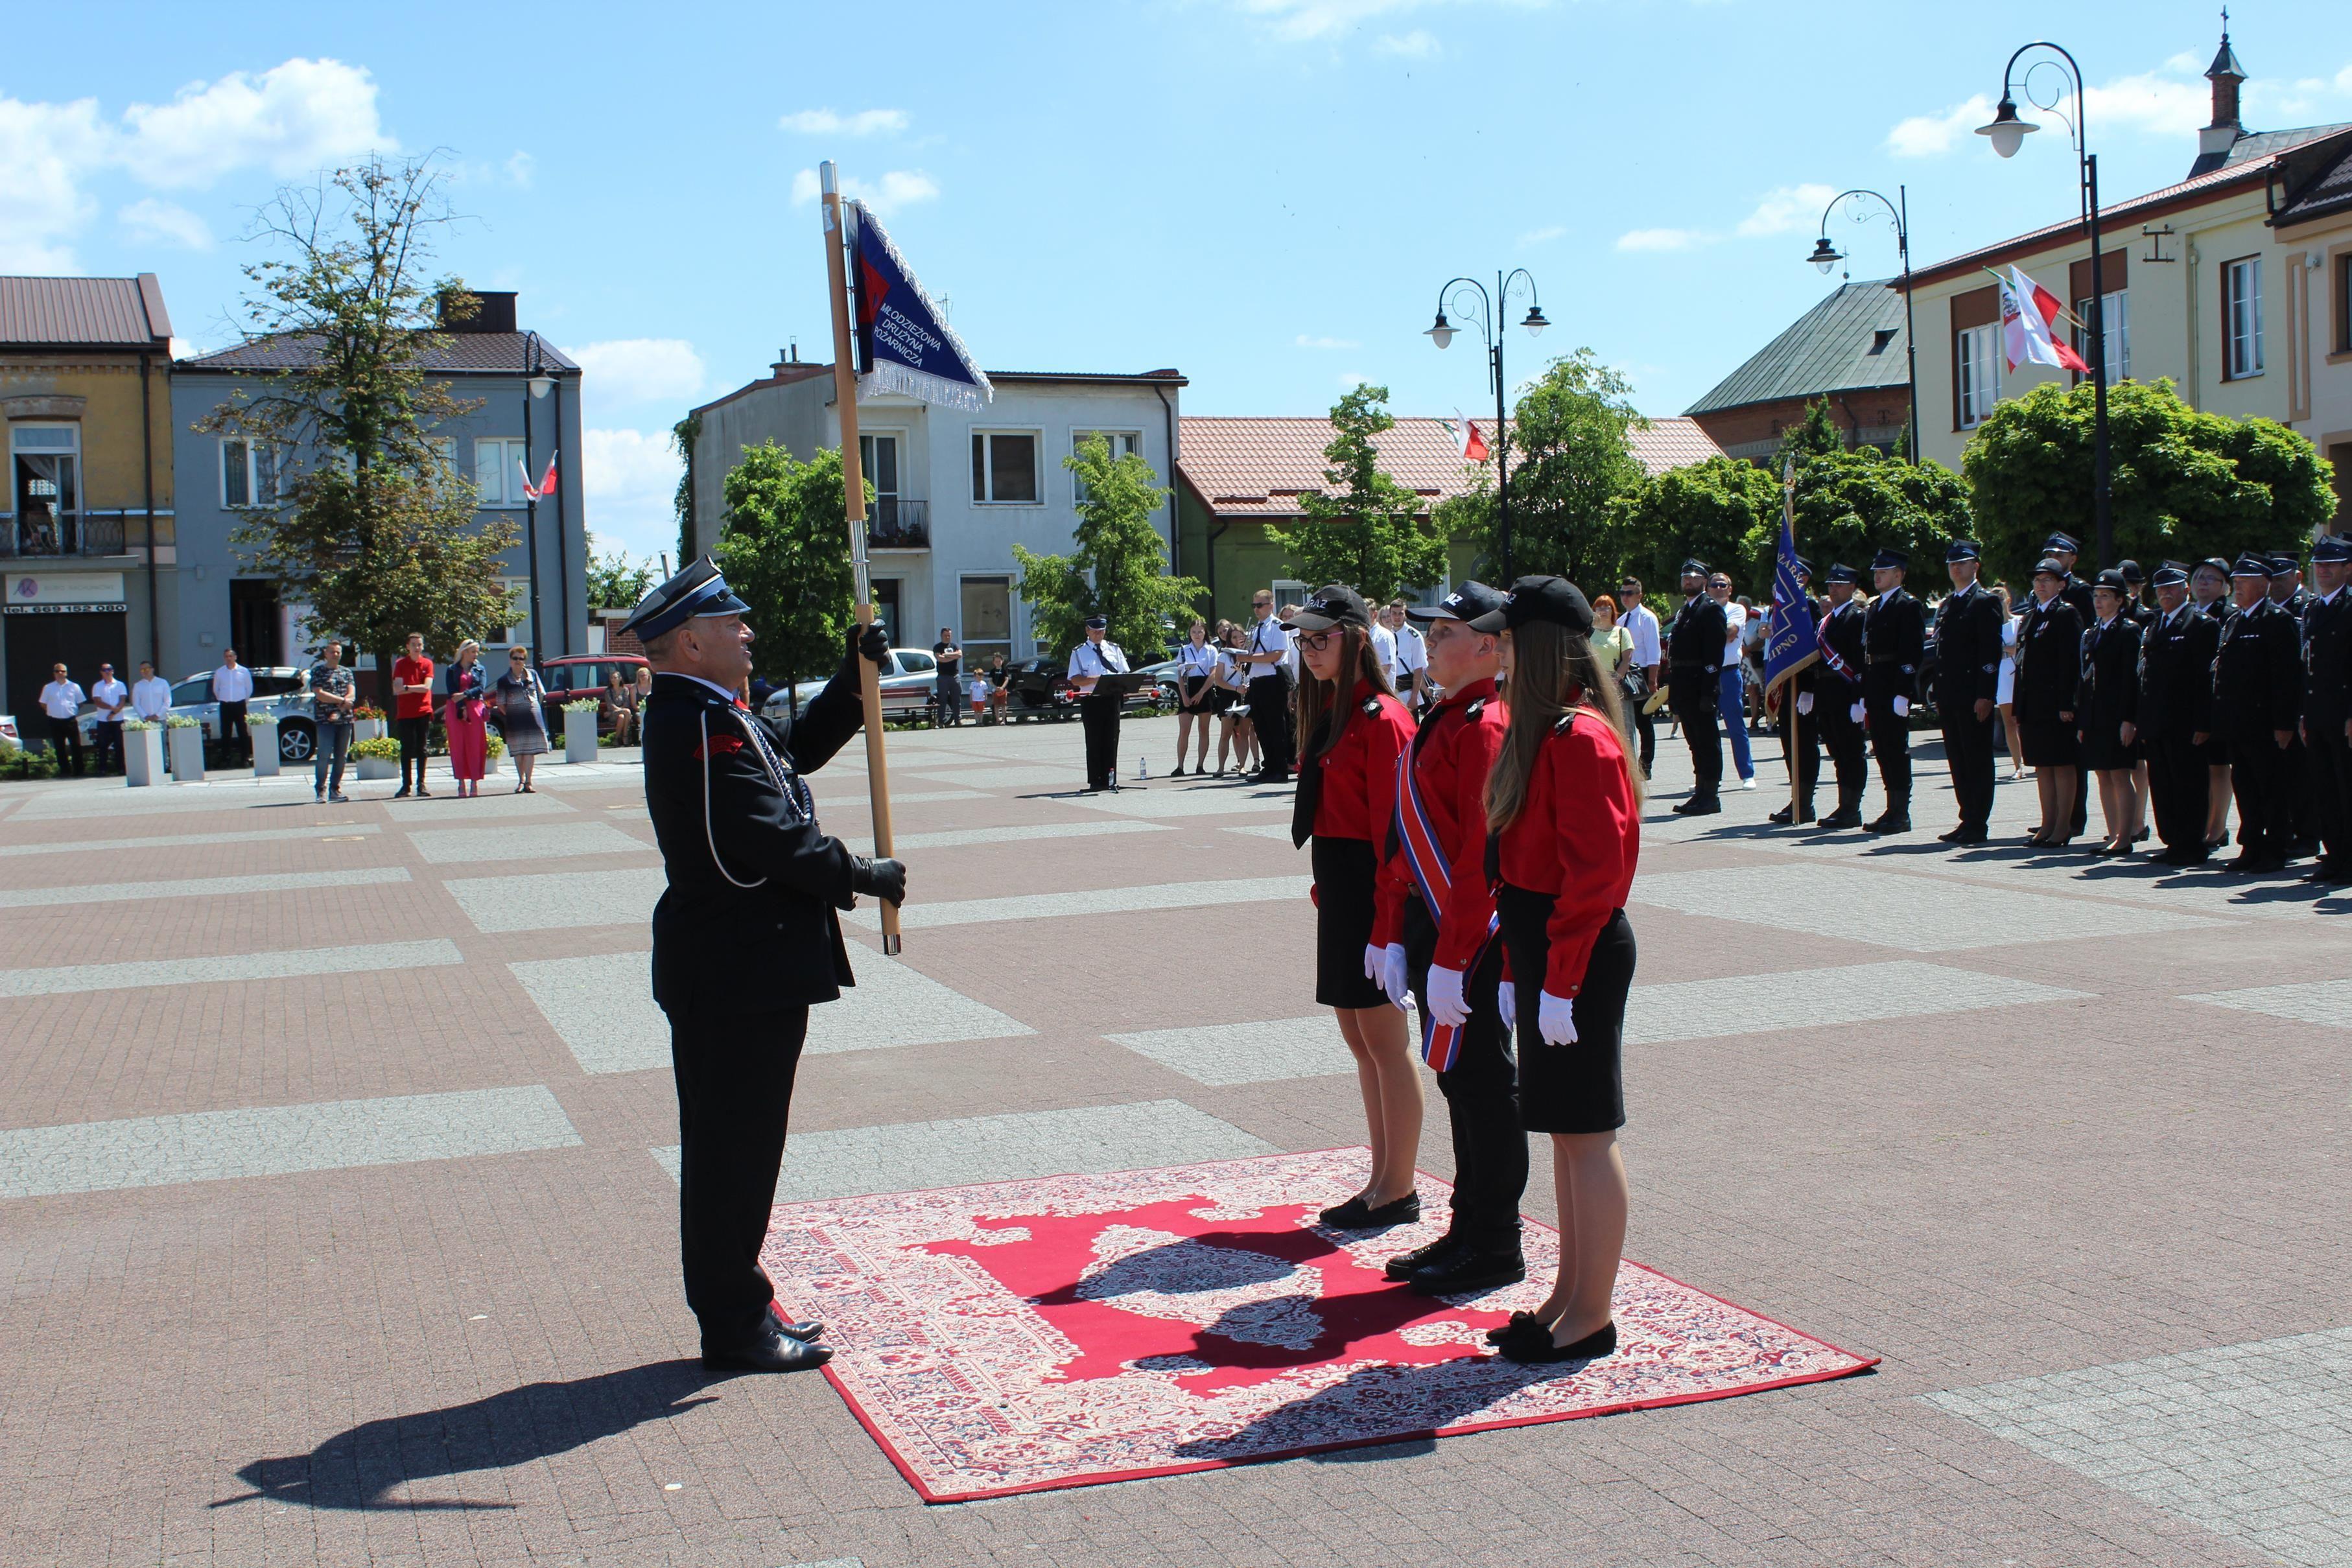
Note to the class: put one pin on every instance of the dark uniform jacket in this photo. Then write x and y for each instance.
(1841, 633)
(2176, 677)
(1967, 652)
(1695, 643)
(2327, 665)
(1894, 639)
(749, 924)
(2110, 696)
(2077, 593)
(2049, 661)
(2258, 675)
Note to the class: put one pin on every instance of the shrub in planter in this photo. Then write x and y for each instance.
(262, 730)
(378, 757)
(187, 747)
(493, 748)
(142, 753)
(579, 731)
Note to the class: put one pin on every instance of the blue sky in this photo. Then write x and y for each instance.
(1263, 194)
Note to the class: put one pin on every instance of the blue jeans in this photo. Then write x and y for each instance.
(334, 747)
(1734, 707)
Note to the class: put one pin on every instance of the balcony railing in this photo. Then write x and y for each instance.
(893, 522)
(49, 536)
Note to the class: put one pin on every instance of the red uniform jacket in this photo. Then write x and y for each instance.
(1358, 791)
(1576, 838)
(1451, 757)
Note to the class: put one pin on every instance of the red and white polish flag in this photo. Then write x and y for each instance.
(546, 486)
(2029, 317)
(1467, 439)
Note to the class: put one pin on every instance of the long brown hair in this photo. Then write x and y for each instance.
(1317, 699)
(1553, 672)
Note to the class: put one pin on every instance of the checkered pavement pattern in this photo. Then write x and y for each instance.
(336, 1224)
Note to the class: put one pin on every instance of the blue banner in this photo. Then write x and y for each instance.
(904, 344)
(1794, 641)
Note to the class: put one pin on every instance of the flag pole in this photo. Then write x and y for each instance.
(853, 488)
(1788, 714)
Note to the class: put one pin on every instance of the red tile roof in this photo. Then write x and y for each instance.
(1258, 466)
(55, 312)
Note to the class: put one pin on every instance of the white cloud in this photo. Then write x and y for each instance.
(290, 119)
(1304, 342)
(1792, 209)
(521, 167)
(156, 221)
(640, 369)
(1544, 236)
(1663, 239)
(1925, 135)
(629, 478)
(2150, 102)
(1416, 45)
(826, 122)
(899, 188)
(45, 150)
(2172, 101)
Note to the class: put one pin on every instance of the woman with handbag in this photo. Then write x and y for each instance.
(1613, 650)
(464, 720)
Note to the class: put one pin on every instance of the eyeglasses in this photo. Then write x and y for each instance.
(1316, 642)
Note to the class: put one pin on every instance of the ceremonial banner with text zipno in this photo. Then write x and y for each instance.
(903, 344)
(1794, 641)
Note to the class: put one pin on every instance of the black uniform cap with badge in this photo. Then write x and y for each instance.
(1334, 605)
(1841, 572)
(697, 591)
(1957, 551)
(1466, 604)
(1552, 599)
(2171, 574)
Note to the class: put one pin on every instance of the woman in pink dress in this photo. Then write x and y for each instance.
(468, 750)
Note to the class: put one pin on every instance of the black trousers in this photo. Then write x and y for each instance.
(413, 733)
(1967, 752)
(108, 737)
(2179, 792)
(1269, 709)
(1645, 724)
(1696, 698)
(2331, 767)
(1843, 737)
(1481, 1096)
(2302, 772)
(734, 1099)
(236, 739)
(1099, 717)
(2266, 792)
(1890, 743)
(1801, 746)
(65, 739)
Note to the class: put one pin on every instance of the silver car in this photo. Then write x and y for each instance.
(276, 689)
(909, 683)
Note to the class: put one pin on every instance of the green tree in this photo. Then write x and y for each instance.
(682, 437)
(785, 547)
(1704, 510)
(614, 583)
(1366, 530)
(368, 522)
(1852, 505)
(2185, 484)
(1119, 569)
(1570, 461)
(1815, 435)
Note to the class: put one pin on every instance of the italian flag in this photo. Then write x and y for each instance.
(1467, 439)
(2029, 313)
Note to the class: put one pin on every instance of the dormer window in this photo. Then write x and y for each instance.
(1880, 338)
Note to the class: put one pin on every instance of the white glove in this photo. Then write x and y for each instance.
(1555, 1020)
(1804, 702)
(1854, 712)
(1373, 961)
(1901, 707)
(1506, 1002)
(1445, 1003)
(1392, 977)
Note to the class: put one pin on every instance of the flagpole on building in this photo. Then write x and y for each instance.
(852, 486)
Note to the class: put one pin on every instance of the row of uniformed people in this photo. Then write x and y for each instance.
(1479, 860)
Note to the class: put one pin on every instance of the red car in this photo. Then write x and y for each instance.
(581, 675)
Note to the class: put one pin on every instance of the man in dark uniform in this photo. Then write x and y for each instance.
(2135, 593)
(2286, 592)
(2328, 704)
(2074, 590)
(2208, 589)
(1090, 661)
(2176, 714)
(1967, 680)
(1800, 718)
(1694, 686)
(2257, 700)
(1894, 643)
(746, 937)
(1837, 695)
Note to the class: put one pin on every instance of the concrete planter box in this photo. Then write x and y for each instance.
(265, 747)
(143, 758)
(376, 768)
(491, 764)
(580, 738)
(187, 746)
(367, 729)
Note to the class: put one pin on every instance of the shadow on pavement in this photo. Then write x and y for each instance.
(358, 1469)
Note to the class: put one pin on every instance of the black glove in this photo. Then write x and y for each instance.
(885, 879)
(872, 641)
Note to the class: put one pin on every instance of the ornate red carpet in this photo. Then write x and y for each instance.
(1023, 1335)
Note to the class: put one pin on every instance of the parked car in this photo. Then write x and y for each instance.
(909, 682)
(579, 676)
(276, 689)
(1040, 688)
(1164, 692)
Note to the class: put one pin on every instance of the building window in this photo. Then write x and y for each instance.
(987, 626)
(248, 473)
(47, 488)
(2242, 318)
(1005, 467)
(2118, 327)
(1976, 354)
(2344, 303)
(499, 466)
(1122, 443)
(878, 460)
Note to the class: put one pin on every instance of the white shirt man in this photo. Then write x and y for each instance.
(62, 698)
(1406, 671)
(232, 683)
(110, 696)
(1384, 649)
(1649, 652)
(150, 695)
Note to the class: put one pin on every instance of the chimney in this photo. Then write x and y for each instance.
(2225, 73)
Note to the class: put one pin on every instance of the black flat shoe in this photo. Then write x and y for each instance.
(1601, 1342)
(1401, 1267)
(1348, 1216)
(1357, 1214)
(1520, 1320)
(1468, 1271)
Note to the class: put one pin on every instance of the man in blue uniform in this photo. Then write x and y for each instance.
(746, 939)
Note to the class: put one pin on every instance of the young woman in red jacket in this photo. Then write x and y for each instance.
(1564, 812)
(1354, 730)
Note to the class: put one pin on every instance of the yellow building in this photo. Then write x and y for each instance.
(2313, 228)
(85, 372)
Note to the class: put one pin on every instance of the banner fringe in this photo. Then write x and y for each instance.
(889, 376)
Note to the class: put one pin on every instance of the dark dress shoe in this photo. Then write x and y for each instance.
(766, 1351)
(803, 1329)
(1700, 806)
(1528, 1349)
(1784, 816)
(1842, 819)
(1468, 1271)
(1953, 837)
(1892, 823)
(2324, 872)
(2142, 836)
(1401, 1267)
(1520, 1322)
(1357, 1214)
(1975, 835)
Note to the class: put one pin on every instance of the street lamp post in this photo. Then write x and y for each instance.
(1463, 293)
(536, 386)
(1826, 256)
(2008, 133)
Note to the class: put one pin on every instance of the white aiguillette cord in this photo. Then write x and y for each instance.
(702, 720)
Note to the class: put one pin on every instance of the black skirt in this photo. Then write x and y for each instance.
(2047, 742)
(1344, 872)
(1578, 1088)
(2103, 748)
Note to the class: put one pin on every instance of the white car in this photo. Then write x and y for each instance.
(909, 683)
(278, 689)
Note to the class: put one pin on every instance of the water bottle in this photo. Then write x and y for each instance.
(1140, 770)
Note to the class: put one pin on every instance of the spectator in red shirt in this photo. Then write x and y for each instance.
(1564, 807)
(411, 709)
(1355, 730)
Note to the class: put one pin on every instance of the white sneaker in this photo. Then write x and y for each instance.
(1747, 783)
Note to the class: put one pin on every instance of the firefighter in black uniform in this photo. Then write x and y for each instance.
(1895, 643)
(1967, 680)
(1800, 716)
(746, 937)
(2257, 700)
(1837, 695)
(1694, 687)
(2328, 704)
(2286, 592)
(2074, 590)
(2176, 714)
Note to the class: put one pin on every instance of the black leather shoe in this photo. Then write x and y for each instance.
(1784, 816)
(1468, 1271)
(803, 1329)
(1401, 1267)
(1520, 1322)
(766, 1351)
(1891, 822)
(1601, 1342)
(1700, 806)
(1968, 836)
(1841, 820)
(1357, 1214)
